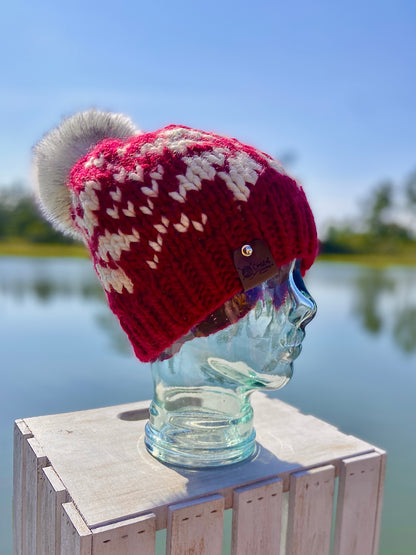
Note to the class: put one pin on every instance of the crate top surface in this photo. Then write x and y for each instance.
(100, 457)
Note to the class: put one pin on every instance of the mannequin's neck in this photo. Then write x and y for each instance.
(200, 425)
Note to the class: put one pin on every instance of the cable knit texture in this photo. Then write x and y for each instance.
(161, 214)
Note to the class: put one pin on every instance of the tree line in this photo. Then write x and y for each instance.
(385, 223)
(20, 218)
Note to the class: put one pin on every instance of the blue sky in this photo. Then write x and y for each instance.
(333, 82)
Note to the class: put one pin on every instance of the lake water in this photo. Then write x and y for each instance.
(61, 350)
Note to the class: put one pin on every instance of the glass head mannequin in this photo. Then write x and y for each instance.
(201, 415)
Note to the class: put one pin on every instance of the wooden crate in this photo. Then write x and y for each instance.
(84, 484)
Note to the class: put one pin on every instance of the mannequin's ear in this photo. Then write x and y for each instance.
(56, 154)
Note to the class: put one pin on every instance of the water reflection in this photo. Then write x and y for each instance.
(47, 281)
(404, 329)
(118, 339)
(46, 288)
(370, 285)
(385, 301)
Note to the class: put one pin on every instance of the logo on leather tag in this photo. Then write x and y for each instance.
(254, 263)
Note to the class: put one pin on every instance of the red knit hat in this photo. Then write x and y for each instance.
(162, 213)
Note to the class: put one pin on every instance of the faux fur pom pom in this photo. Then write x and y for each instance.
(59, 150)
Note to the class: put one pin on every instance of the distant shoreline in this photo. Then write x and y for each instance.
(372, 260)
(25, 248)
(37, 250)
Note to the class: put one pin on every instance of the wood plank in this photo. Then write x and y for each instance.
(52, 494)
(76, 537)
(129, 537)
(383, 461)
(310, 511)
(196, 527)
(119, 478)
(21, 435)
(35, 460)
(257, 515)
(358, 496)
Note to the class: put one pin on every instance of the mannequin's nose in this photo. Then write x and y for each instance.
(304, 307)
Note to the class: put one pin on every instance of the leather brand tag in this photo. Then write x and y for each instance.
(254, 263)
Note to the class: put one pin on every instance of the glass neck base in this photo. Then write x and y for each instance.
(195, 434)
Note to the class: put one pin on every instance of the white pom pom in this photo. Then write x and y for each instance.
(59, 150)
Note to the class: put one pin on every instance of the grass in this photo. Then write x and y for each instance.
(25, 248)
(373, 260)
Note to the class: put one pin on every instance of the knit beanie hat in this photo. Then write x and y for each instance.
(163, 214)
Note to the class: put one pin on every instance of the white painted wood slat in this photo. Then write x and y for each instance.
(310, 511)
(52, 494)
(21, 435)
(76, 537)
(358, 497)
(196, 527)
(133, 536)
(383, 461)
(35, 460)
(257, 515)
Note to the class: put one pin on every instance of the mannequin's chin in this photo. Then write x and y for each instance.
(275, 375)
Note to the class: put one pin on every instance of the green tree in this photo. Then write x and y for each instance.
(20, 218)
(379, 204)
(410, 199)
(410, 189)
